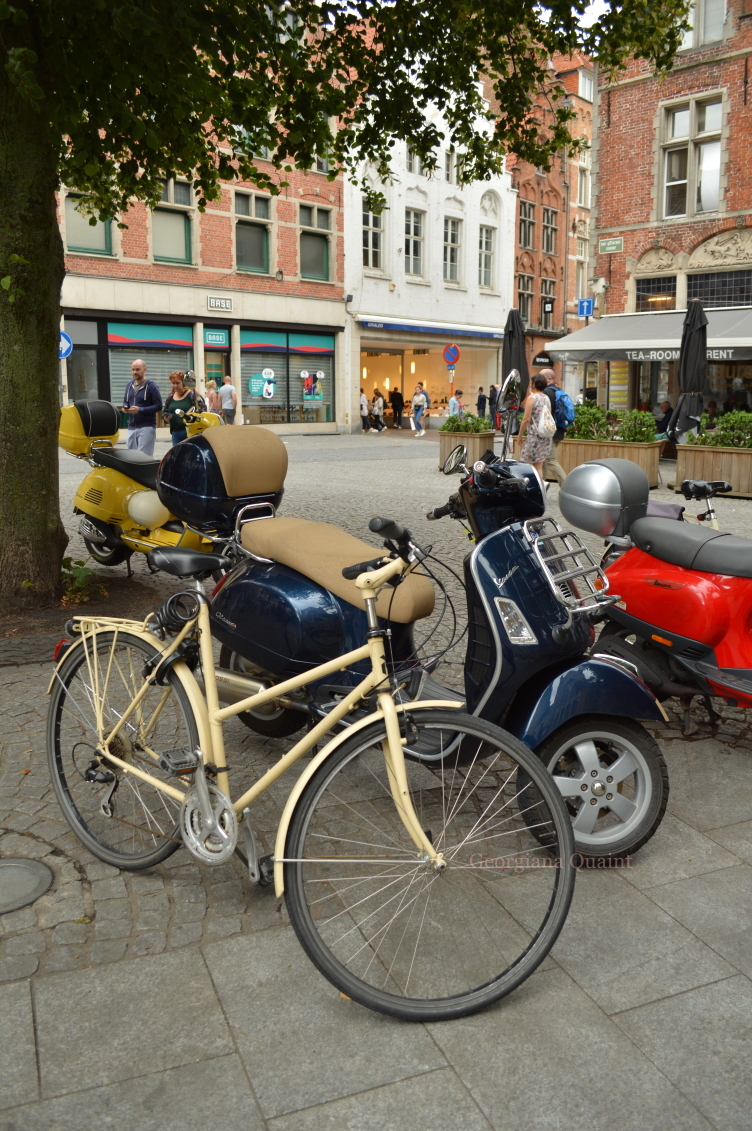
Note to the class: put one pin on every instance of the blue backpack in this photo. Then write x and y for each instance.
(563, 409)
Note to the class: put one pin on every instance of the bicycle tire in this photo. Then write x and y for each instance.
(478, 943)
(142, 827)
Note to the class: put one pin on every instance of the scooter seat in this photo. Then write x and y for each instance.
(712, 551)
(320, 551)
(136, 465)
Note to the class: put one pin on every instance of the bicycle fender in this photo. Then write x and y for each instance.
(302, 782)
(591, 687)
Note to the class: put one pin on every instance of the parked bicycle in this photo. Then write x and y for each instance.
(423, 890)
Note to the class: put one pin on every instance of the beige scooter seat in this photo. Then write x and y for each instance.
(320, 551)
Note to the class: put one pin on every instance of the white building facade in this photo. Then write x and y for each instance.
(434, 269)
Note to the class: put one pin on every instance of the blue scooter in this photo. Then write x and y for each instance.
(533, 592)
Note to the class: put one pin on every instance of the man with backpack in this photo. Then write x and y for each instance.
(562, 410)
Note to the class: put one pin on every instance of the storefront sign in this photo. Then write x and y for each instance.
(673, 355)
(542, 359)
(611, 246)
(126, 334)
(217, 339)
(414, 328)
(216, 302)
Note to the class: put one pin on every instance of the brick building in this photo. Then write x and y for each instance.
(553, 227)
(674, 199)
(255, 283)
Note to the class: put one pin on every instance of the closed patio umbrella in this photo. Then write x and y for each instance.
(513, 352)
(693, 370)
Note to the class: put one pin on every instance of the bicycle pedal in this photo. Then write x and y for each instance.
(179, 761)
(266, 870)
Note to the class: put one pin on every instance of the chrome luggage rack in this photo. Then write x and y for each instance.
(568, 567)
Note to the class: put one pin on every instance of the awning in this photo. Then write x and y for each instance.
(421, 326)
(656, 337)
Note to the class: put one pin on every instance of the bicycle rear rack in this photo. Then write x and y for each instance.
(568, 567)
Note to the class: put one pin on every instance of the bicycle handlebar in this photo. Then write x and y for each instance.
(353, 571)
(389, 529)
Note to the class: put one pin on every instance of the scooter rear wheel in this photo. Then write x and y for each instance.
(106, 555)
(614, 781)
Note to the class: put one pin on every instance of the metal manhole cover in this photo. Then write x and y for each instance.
(22, 881)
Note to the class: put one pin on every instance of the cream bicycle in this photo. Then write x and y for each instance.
(425, 891)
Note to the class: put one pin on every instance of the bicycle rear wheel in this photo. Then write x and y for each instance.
(379, 921)
(121, 819)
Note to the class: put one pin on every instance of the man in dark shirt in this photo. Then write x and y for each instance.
(142, 402)
(397, 401)
(551, 466)
(481, 402)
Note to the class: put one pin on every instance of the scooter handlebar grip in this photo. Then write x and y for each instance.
(389, 529)
(440, 512)
(353, 571)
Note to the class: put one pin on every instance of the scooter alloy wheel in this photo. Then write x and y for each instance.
(614, 781)
(106, 555)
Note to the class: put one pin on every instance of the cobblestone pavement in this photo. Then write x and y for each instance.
(179, 996)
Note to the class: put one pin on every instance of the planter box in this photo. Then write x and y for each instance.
(732, 464)
(574, 452)
(477, 444)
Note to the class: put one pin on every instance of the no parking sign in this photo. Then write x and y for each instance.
(451, 354)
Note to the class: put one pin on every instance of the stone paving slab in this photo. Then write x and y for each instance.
(143, 994)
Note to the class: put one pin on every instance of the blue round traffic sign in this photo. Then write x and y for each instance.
(66, 345)
(451, 354)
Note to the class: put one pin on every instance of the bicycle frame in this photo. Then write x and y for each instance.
(210, 716)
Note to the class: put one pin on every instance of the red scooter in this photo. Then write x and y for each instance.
(684, 615)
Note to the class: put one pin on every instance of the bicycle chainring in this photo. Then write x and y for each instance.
(206, 844)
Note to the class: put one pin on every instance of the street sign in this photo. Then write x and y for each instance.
(611, 246)
(451, 354)
(66, 345)
(450, 370)
(585, 307)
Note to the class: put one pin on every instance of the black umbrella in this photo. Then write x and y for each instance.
(513, 353)
(693, 370)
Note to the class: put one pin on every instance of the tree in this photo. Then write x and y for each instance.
(111, 98)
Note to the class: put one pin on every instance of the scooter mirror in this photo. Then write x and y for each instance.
(456, 460)
(510, 391)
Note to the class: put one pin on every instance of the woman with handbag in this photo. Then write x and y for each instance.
(538, 426)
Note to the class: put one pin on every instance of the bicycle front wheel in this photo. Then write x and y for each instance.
(379, 921)
(120, 818)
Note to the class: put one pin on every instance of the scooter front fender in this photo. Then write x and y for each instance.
(591, 687)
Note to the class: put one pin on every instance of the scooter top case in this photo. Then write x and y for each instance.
(287, 620)
(206, 480)
(83, 422)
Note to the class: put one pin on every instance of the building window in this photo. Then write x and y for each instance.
(371, 239)
(322, 164)
(586, 87)
(656, 294)
(171, 223)
(413, 161)
(80, 235)
(413, 242)
(525, 297)
(549, 230)
(452, 230)
(486, 257)
(721, 288)
(706, 18)
(252, 240)
(527, 224)
(583, 187)
(692, 157)
(449, 166)
(547, 303)
(314, 248)
(580, 279)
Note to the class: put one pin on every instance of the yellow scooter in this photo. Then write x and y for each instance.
(118, 500)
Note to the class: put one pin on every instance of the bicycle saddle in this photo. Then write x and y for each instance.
(320, 551)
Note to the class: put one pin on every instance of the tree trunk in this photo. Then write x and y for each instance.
(32, 537)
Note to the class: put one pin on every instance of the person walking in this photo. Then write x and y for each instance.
(212, 397)
(493, 394)
(481, 402)
(552, 469)
(536, 448)
(377, 408)
(397, 402)
(420, 404)
(229, 400)
(142, 401)
(365, 426)
(182, 396)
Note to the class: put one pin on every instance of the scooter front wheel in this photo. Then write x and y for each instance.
(614, 782)
(106, 555)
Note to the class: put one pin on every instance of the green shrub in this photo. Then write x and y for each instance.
(733, 430)
(636, 427)
(467, 423)
(590, 423)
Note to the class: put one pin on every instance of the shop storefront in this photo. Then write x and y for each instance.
(287, 378)
(637, 356)
(397, 355)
